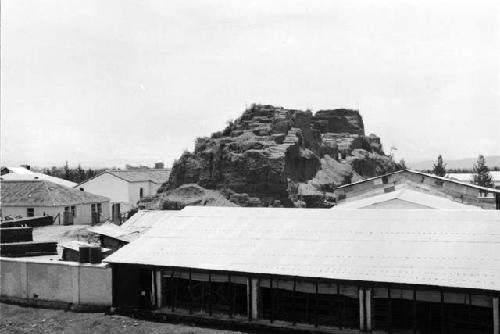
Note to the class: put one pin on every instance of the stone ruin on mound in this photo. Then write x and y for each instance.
(272, 156)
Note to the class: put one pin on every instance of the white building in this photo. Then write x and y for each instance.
(29, 198)
(467, 177)
(126, 187)
(22, 173)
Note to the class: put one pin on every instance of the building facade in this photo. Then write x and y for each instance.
(125, 187)
(29, 198)
(428, 185)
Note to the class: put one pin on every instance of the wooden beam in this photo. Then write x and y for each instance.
(174, 292)
(316, 304)
(443, 314)
(341, 306)
(255, 298)
(496, 324)
(210, 293)
(249, 297)
(190, 289)
(361, 299)
(414, 311)
(271, 294)
(294, 313)
(368, 309)
(158, 288)
(231, 294)
(389, 310)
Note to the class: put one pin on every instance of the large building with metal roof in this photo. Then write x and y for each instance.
(381, 270)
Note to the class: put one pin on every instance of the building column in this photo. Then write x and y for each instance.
(368, 309)
(496, 324)
(361, 309)
(158, 291)
(254, 286)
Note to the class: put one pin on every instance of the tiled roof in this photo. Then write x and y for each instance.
(44, 193)
(449, 248)
(136, 175)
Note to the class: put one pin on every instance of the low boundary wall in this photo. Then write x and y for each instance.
(40, 282)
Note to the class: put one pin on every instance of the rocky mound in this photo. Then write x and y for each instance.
(272, 156)
(186, 194)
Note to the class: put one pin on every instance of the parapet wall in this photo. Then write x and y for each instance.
(55, 284)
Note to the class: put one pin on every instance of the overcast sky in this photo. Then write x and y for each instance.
(109, 82)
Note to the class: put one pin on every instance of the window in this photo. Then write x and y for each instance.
(99, 208)
(73, 210)
(385, 179)
(30, 212)
(92, 207)
(141, 192)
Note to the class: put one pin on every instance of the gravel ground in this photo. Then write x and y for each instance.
(18, 319)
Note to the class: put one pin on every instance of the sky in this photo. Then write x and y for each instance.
(103, 83)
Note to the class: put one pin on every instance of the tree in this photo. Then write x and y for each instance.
(482, 176)
(439, 169)
(80, 174)
(67, 172)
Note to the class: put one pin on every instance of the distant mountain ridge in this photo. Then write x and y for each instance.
(465, 163)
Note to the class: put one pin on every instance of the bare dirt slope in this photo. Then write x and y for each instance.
(18, 319)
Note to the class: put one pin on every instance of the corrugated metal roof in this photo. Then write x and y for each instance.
(405, 194)
(145, 219)
(430, 247)
(139, 223)
(44, 193)
(115, 232)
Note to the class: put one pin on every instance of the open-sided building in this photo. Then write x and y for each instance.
(383, 270)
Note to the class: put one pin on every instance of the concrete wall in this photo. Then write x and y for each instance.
(149, 187)
(31, 281)
(83, 212)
